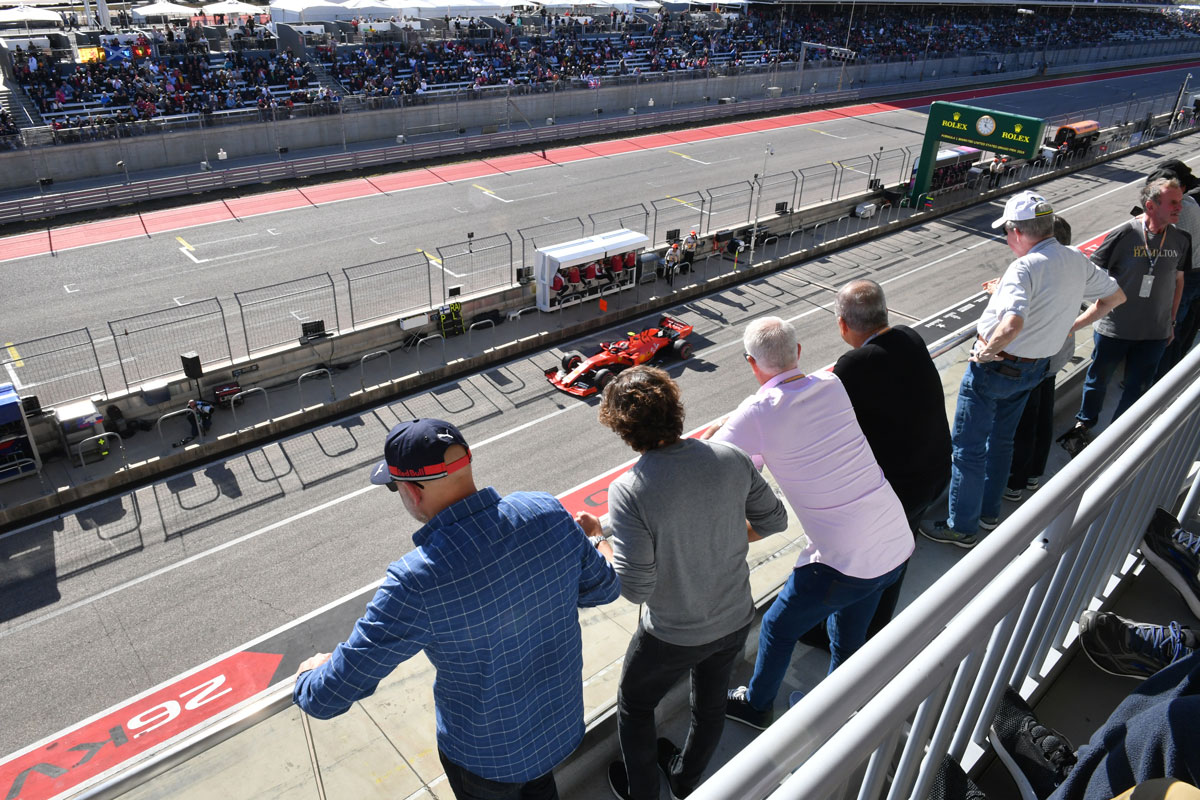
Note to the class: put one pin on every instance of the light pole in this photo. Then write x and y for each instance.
(770, 151)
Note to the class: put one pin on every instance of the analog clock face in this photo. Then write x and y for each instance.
(985, 125)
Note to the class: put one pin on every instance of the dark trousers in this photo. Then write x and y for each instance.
(1152, 734)
(1035, 434)
(467, 785)
(652, 667)
(1186, 326)
(1141, 364)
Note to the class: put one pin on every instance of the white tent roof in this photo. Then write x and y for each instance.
(233, 7)
(369, 7)
(307, 10)
(163, 9)
(27, 14)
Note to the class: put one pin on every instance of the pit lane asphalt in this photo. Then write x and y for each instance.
(106, 638)
(92, 285)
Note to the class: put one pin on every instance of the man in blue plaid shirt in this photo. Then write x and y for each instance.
(491, 594)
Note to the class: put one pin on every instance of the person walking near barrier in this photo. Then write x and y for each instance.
(680, 520)
(805, 431)
(1035, 306)
(491, 593)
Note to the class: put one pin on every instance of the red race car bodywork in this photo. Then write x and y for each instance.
(583, 376)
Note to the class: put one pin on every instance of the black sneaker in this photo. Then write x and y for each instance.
(1039, 758)
(1132, 649)
(1176, 554)
(618, 780)
(738, 708)
(951, 783)
(939, 531)
(667, 753)
(1074, 440)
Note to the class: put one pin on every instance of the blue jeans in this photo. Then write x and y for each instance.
(1141, 359)
(813, 593)
(990, 401)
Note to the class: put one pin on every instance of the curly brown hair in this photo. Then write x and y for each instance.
(643, 407)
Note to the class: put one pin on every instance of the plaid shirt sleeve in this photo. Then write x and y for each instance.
(394, 628)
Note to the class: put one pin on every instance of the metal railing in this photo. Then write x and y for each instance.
(999, 617)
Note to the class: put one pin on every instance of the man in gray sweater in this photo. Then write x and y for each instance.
(681, 519)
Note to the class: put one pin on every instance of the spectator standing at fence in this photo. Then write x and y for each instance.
(491, 594)
(1035, 306)
(907, 431)
(680, 521)
(1035, 430)
(1148, 257)
(1187, 318)
(805, 431)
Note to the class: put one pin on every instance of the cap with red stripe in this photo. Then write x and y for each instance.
(416, 451)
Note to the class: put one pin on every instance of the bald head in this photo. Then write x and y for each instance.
(861, 310)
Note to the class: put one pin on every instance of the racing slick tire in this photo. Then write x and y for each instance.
(682, 348)
(603, 378)
(571, 359)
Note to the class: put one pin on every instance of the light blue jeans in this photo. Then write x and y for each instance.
(991, 398)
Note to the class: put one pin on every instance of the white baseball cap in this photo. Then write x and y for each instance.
(1023, 206)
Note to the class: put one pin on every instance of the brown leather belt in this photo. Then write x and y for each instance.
(1009, 356)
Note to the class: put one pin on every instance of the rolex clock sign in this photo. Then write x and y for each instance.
(1001, 133)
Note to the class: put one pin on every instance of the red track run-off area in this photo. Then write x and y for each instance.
(111, 230)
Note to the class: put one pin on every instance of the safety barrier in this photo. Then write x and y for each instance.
(236, 400)
(181, 412)
(101, 437)
(314, 373)
(1003, 615)
(362, 362)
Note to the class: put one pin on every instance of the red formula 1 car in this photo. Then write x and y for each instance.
(582, 376)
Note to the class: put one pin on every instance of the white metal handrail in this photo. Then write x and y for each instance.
(990, 621)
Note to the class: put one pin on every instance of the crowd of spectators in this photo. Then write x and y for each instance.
(533, 51)
(539, 50)
(130, 90)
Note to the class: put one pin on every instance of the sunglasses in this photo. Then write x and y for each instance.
(394, 486)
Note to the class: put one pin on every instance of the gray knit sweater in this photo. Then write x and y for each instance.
(678, 525)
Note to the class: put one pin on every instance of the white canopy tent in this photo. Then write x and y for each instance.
(27, 15)
(163, 9)
(232, 7)
(376, 8)
(306, 10)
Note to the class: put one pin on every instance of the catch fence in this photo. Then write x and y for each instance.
(149, 346)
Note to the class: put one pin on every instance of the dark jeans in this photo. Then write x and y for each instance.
(1141, 359)
(1035, 434)
(1152, 734)
(652, 667)
(1186, 326)
(467, 785)
(814, 592)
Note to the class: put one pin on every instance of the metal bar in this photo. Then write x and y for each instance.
(362, 377)
(233, 402)
(101, 437)
(158, 425)
(312, 374)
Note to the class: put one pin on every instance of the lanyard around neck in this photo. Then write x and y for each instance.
(1152, 254)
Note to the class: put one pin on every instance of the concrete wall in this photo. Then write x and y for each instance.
(93, 159)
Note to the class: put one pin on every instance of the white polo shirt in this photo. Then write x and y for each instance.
(1045, 287)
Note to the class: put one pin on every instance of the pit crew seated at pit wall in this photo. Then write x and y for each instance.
(526, 56)
(146, 88)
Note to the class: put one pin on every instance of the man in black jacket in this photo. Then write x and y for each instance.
(897, 397)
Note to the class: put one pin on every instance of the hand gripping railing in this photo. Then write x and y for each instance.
(98, 437)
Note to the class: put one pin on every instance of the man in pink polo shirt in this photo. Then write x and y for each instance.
(805, 431)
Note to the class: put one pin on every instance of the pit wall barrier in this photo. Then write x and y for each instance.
(287, 364)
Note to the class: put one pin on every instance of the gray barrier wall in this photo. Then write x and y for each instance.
(23, 168)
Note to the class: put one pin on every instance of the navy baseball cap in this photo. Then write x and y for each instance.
(416, 451)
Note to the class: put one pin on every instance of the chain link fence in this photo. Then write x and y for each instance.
(727, 206)
(149, 345)
(276, 314)
(57, 369)
(547, 235)
(476, 265)
(631, 218)
(677, 213)
(389, 288)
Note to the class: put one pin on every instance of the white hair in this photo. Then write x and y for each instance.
(771, 342)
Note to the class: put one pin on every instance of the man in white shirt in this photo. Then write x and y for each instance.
(1034, 307)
